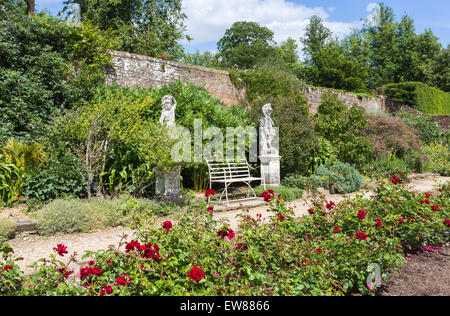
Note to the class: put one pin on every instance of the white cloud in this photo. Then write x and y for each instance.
(208, 19)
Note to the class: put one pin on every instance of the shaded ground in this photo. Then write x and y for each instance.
(423, 275)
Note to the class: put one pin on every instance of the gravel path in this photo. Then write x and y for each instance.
(34, 247)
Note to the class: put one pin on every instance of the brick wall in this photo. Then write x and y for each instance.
(131, 70)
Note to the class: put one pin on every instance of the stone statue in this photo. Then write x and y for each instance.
(169, 104)
(267, 132)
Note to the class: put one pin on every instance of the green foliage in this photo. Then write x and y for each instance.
(387, 165)
(294, 180)
(268, 79)
(244, 44)
(45, 66)
(205, 59)
(323, 153)
(331, 67)
(421, 97)
(391, 136)
(11, 179)
(150, 27)
(71, 216)
(27, 158)
(56, 179)
(7, 229)
(287, 193)
(424, 126)
(339, 177)
(297, 138)
(112, 135)
(344, 129)
(283, 255)
(397, 53)
(438, 156)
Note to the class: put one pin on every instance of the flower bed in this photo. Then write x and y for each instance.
(325, 253)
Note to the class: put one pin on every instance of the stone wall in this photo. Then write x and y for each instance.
(373, 104)
(138, 70)
(131, 70)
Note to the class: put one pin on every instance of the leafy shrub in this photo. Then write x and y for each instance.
(418, 95)
(56, 179)
(438, 155)
(288, 193)
(321, 154)
(325, 253)
(424, 126)
(38, 60)
(391, 136)
(10, 181)
(267, 80)
(295, 180)
(344, 129)
(69, 216)
(340, 177)
(386, 166)
(7, 229)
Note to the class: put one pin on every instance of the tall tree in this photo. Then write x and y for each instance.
(316, 37)
(397, 53)
(244, 44)
(151, 27)
(31, 7)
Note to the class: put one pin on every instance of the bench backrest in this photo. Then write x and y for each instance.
(228, 170)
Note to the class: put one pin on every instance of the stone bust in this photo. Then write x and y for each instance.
(267, 132)
(169, 104)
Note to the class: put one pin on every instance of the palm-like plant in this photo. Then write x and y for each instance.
(26, 157)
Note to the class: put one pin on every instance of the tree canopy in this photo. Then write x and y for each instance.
(150, 27)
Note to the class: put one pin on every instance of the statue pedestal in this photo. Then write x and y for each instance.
(168, 183)
(270, 169)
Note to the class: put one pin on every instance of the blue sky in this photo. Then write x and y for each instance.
(208, 19)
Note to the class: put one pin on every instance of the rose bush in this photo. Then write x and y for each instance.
(325, 253)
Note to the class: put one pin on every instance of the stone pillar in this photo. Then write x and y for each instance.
(168, 183)
(270, 170)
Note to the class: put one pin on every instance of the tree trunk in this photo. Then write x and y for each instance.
(31, 7)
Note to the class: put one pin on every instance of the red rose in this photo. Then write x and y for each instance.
(123, 280)
(330, 205)
(361, 236)
(210, 192)
(167, 225)
(6, 268)
(196, 274)
(336, 230)
(210, 209)
(435, 208)
(447, 222)
(311, 211)
(319, 250)
(281, 218)
(378, 224)
(427, 195)
(361, 214)
(401, 220)
(61, 250)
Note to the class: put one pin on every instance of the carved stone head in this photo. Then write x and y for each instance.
(168, 103)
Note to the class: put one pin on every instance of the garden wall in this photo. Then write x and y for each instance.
(138, 70)
(131, 70)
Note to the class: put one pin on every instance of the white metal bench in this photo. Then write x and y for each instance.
(228, 173)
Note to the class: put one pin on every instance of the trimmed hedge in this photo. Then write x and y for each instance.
(421, 97)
